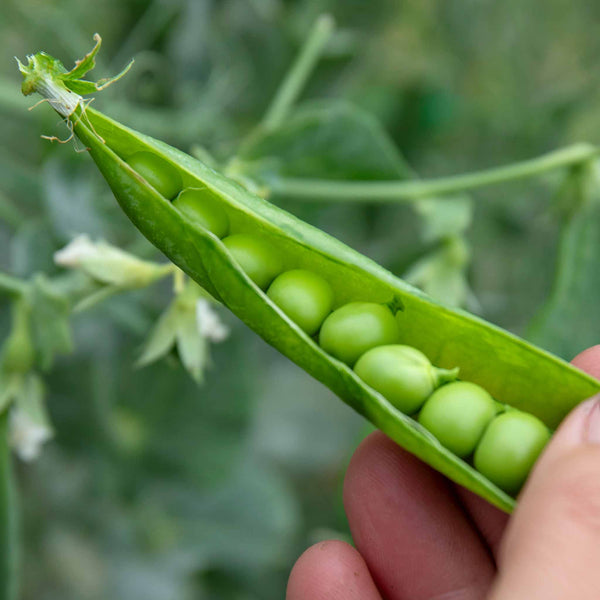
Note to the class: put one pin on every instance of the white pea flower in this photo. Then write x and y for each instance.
(76, 252)
(189, 324)
(209, 323)
(108, 264)
(26, 435)
(29, 424)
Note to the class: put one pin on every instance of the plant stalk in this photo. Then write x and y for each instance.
(8, 518)
(299, 73)
(395, 191)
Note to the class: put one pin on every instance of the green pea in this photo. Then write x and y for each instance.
(457, 415)
(201, 206)
(509, 447)
(258, 259)
(160, 174)
(304, 297)
(401, 374)
(351, 330)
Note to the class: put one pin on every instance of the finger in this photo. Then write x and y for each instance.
(491, 521)
(331, 571)
(410, 529)
(551, 549)
(589, 361)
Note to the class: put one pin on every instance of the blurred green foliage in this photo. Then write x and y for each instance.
(156, 488)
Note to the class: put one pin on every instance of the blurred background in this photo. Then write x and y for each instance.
(155, 486)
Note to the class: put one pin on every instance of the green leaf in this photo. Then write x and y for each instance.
(82, 87)
(569, 322)
(162, 337)
(178, 328)
(333, 140)
(442, 273)
(106, 81)
(444, 217)
(104, 292)
(191, 346)
(85, 64)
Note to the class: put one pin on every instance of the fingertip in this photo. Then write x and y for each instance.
(379, 464)
(589, 361)
(331, 570)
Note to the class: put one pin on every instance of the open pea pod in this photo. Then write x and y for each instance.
(514, 372)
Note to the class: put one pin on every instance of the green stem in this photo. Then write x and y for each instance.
(11, 285)
(393, 191)
(178, 281)
(445, 375)
(297, 76)
(8, 518)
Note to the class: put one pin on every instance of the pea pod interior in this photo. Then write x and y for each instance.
(513, 371)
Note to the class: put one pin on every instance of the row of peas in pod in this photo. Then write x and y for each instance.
(502, 443)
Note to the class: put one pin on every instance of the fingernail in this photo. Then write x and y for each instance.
(591, 432)
(582, 426)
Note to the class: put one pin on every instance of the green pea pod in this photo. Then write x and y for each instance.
(513, 371)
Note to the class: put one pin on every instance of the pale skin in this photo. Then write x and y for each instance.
(419, 537)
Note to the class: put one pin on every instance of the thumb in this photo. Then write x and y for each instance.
(551, 548)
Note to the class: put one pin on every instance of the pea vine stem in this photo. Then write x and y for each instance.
(11, 285)
(394, 191)
(8, 518)
(178, 281)
(297, 76)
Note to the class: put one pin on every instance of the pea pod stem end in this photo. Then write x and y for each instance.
(62, 89)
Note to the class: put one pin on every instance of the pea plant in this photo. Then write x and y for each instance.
(472, 400)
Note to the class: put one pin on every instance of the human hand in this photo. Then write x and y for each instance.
(420, 537)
